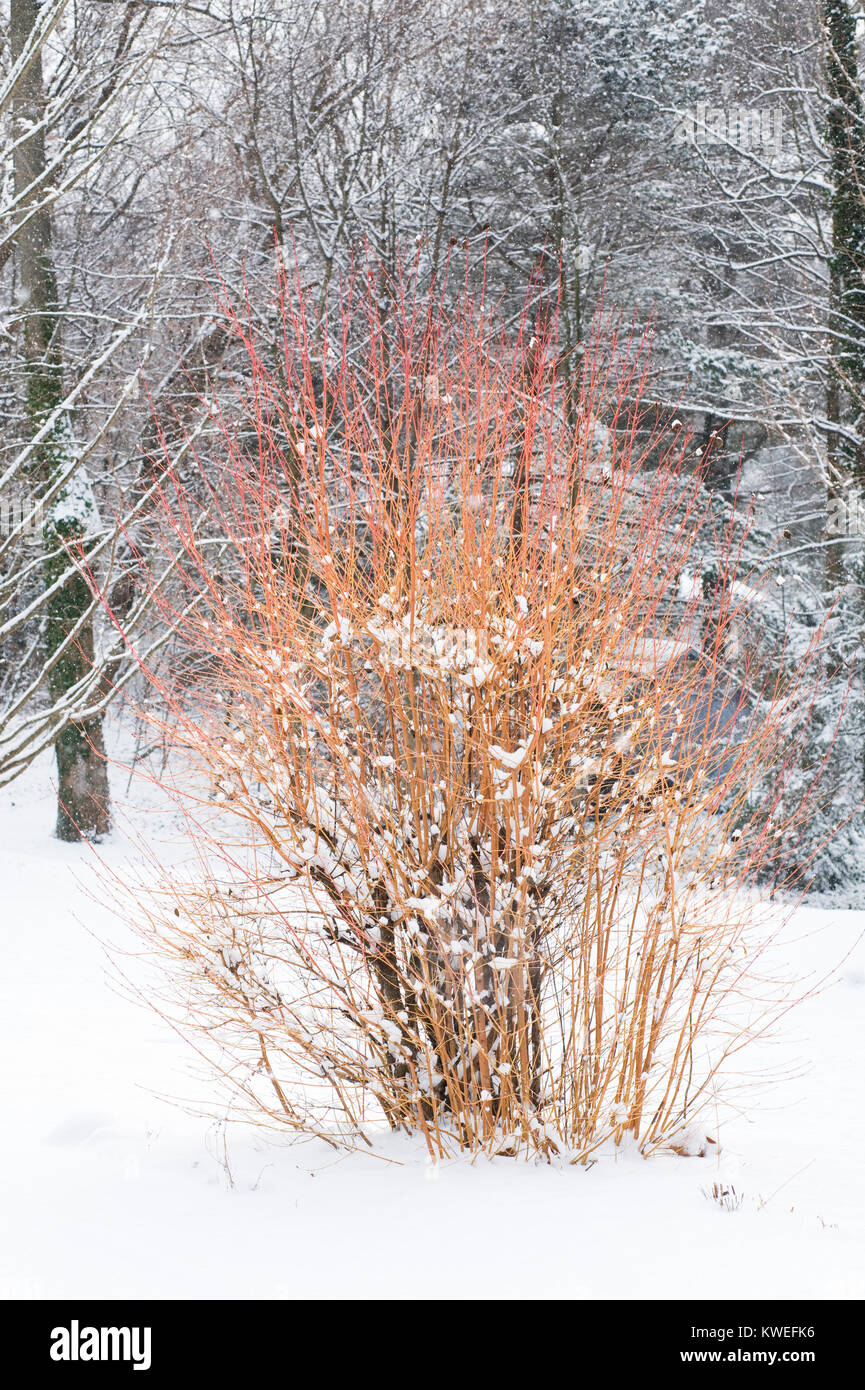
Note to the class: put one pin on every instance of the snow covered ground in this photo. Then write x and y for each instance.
(110, 1191)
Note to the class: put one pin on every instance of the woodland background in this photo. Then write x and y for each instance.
(699, 167)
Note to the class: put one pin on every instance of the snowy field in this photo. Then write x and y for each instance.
(111, 1191)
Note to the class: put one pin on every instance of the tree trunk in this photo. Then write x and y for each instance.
(83, 808)
(846, 140)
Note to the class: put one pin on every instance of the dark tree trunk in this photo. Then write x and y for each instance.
(845, 133)
(83, 809)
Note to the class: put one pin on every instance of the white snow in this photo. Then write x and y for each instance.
(510, 759)
(111, 1191)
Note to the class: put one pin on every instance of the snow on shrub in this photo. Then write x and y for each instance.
(474, 792)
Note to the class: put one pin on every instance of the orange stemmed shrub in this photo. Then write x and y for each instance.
(473, 785)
